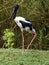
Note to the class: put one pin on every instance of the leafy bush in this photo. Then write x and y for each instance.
(8, 37)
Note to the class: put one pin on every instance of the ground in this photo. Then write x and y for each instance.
(30, 57)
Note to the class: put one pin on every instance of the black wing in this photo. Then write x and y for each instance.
(25, 24)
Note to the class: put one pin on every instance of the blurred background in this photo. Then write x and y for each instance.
(37, 11)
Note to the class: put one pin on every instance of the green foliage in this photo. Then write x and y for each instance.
(30, 57)
(43, 37)
(40, 38)
(36, 11)
(8, 37)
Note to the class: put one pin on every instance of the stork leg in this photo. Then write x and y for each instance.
(22, 40)
(32, 39)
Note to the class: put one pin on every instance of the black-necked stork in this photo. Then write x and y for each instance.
(23, 25)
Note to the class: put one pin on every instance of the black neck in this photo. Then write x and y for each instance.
(14, 11)
(14, 14)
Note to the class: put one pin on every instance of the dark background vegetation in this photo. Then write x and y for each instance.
(37, 11)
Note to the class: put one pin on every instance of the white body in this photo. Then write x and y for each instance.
(17, 19)
(20, 18)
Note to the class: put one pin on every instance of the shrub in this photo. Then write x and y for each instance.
(8, 37)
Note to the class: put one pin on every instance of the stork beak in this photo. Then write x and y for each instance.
(15, 8)
(11, 14)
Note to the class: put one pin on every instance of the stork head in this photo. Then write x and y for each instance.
(15, 8)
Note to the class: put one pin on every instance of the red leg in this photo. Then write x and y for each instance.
(22, 40)
(32, 39)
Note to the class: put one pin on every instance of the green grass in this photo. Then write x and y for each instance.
(30, 57)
